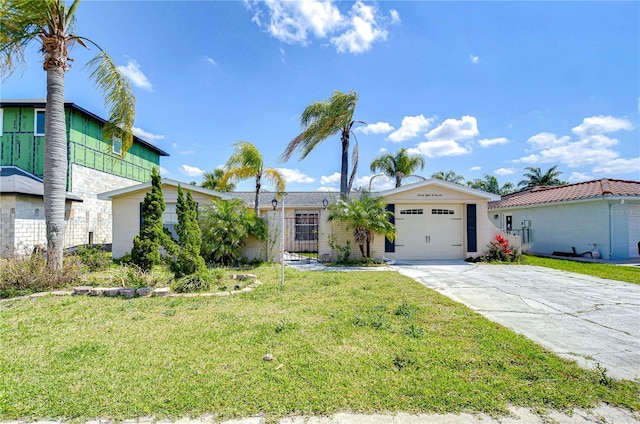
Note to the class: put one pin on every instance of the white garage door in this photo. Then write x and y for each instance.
(425, 232)
(634, 230)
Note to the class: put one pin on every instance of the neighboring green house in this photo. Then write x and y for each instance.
(94, 166)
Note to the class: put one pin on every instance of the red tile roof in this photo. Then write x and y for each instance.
(578, 191)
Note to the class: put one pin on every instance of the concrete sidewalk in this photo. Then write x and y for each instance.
(587, 319)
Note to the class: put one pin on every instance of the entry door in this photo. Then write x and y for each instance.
(425, 232)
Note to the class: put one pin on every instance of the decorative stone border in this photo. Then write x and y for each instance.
(130, 292)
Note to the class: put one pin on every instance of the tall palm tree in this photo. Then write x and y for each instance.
(366, 216)
(213, 181)
(50, 23)
(535, 177)
(397, 166)
(324, 119)
(449, 176)
(490, 184)
(247, 162)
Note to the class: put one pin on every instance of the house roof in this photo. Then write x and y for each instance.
(110, 195)
(41, 103)
(305, 199)
(16, 181)
(440, 183)
(594, 189)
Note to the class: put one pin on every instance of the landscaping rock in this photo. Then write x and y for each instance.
(61, 292)
(162, 292)
(128, 292)
(235, 291)
(82, 290)
(268, 357)
(144, 291)
(111, 291)
(97, 291)
(247, 289)
(222, 294)
(36, 295)
(251, 276)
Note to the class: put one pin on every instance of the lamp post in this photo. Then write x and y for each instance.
(274, 203)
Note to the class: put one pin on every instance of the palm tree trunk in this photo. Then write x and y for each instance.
(256, 207)
(55, 167)
(344, 172)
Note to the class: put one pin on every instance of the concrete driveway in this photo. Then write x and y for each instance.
(588, 319)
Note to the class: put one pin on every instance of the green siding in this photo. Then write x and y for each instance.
(19, 147)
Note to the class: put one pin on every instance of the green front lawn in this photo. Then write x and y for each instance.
(630, 274)
(363, 342)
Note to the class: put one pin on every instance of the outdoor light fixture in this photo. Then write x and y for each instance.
(274, 202)
(325, 203)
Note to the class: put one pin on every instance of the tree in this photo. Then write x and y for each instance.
(366, 216)
(188, 260)
(449, 176)
(224, 225)
(490, 184)
(213, 181)
(247, 162)
(535, 177)
(50, 23)
(146, 245)
(322, 120)
(397, 166)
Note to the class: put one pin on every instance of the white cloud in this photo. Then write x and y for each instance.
(295, 176)
(439, 148)
(363, 32)
(191, 171)
(210, 60)
(486, 142)
(546, 140)
(187, 152)
(455, 129)
(601, 125)
(382, 150)
(135, 75)
(164, 171)
(328, 189)
(475, 168)
(174, 145)
(504, 171)
(377, 128)
(577, 177)
(331, 180)
(619, 166)
(379, 183)
(145, 135)
(474, 59)
(297, 22)
(411, 126)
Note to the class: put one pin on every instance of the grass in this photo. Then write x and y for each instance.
(363, 342)
(630, 274)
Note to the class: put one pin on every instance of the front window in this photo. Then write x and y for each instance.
(116, 145)
(38, 124)
(306, 225)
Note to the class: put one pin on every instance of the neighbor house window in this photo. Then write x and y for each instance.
(116, 145)
(1, 115)
(306, 225)
(38, 125)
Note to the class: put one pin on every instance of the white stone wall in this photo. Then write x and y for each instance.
(7, 217)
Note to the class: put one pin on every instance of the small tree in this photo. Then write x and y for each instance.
(146, 245)
(188, 260)
(224, 225)
(366, 216)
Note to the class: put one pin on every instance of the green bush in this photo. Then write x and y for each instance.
(198, 282)
(93, 257)
(22, 275)
(133, 276)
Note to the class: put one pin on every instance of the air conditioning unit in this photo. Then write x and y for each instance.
(525, 224)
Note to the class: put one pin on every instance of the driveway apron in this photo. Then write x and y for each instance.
(588, 319)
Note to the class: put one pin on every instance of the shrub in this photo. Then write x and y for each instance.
(93, 257)
(188, 260)
(21, 275)
(500, 251)
(133, 276)
(197, 282)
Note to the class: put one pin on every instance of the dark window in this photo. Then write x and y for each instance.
(306, 225)
(411, 211)
(442, 212)
(39, 122)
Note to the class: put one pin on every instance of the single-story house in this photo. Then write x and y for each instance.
(126, 204)
(599, 215)
(22, 223)
(435, 220)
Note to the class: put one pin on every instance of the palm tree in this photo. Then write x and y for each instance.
(213, 181)
(490, 184)
(449, 176)
(366, 216)
(247, 162)
(50, 23)
(397, 166)
(324, 119)
(535, 177)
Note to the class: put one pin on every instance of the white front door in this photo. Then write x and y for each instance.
(429, 232)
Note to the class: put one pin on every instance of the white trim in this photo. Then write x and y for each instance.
(440, 183)
(110, 195)
(35, 121)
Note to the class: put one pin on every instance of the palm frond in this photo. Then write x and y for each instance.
(118, 97)
(276, 178)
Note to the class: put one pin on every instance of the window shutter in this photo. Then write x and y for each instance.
(389, 245)
(472, 233)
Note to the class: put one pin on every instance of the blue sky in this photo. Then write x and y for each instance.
(475, 87)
